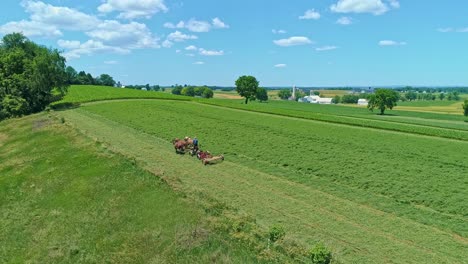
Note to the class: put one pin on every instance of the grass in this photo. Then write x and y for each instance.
(366, 193)
(91, 93)
(66, 199)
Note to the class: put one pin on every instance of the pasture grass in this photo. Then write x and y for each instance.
(67, 199)
(91, 93)
(366, 194)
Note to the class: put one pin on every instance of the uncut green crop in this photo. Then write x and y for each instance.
(422, 178)
(91, 93)
(431, 124)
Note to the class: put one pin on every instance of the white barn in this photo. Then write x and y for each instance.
(362, 102)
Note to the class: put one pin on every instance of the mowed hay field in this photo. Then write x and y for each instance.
(67, 199)
(373, 195)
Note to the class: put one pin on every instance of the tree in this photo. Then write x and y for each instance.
(465, 107)
(336, 99)
(441, 96)
(317, 93)
(284, 94)
(350, 99)
(262, 94)
(106, 80)
(177, 90)
(207, 93)
(188, 91)
(71, 75)
(31, 76)
(383, 99)
(246, 86)
(411, 95)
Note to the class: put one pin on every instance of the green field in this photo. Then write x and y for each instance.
(373, 189)
(91, 93)
(66, 199)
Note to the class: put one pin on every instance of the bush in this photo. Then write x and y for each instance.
(276, 232)
(319, 254)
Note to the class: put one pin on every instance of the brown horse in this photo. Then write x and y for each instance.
(179, 145)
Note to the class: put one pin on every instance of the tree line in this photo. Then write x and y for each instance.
(31, 76)
(200, 91)
(83, 78)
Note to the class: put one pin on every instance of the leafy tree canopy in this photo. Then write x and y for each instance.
(262, 95)
(246, 86)
(383, 99)
(284, 94)
(31, 76)
(465, 107)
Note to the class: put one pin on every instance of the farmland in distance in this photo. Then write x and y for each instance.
(323, 181)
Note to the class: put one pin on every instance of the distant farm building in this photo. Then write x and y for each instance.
(363, 102)
(315, 99)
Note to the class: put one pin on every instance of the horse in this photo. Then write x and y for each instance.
(179, 145)
(213, 160)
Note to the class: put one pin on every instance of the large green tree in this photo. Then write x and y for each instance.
(465, 107)
(284, 94)
(31, 76)
(262, 94)
(107, 80)
(246, 86)
(383, 99)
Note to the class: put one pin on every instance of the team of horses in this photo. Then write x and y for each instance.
(182, 145)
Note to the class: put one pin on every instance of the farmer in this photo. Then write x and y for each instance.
(195, 144)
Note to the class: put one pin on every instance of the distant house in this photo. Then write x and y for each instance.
(363, 102)
(325, 101)
(315, 99)
(144, 89)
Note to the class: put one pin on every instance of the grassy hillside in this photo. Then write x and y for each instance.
(90, 93)
(366, 193)
(66, 199)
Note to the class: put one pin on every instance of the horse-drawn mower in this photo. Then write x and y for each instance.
(186, 145)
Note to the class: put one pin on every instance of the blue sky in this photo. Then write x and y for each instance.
(282, 43)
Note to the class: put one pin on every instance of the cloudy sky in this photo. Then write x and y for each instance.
(301, 42)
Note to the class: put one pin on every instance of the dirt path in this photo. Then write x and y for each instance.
(357, 233)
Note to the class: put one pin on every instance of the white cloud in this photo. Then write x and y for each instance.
(48, 20)
(281, 65)
(60, 17)
(394, 3)
(205, 52)
(91, 47)
(67, 44)
(310, 14)
(178, 51)
(167, 44)
(279, 31)
(111, 62)
(445, 30)
(169, 25)
(178, 36)
(376, 7)
(191, 47)
(131, 9)
(326, 48)
(391, 43)
(199, 63)
(30, 29)
(293, 41)
(450, 29)
(190, 55)
(198, 25)
(217, 23)
(344, 21)
(133, 35)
